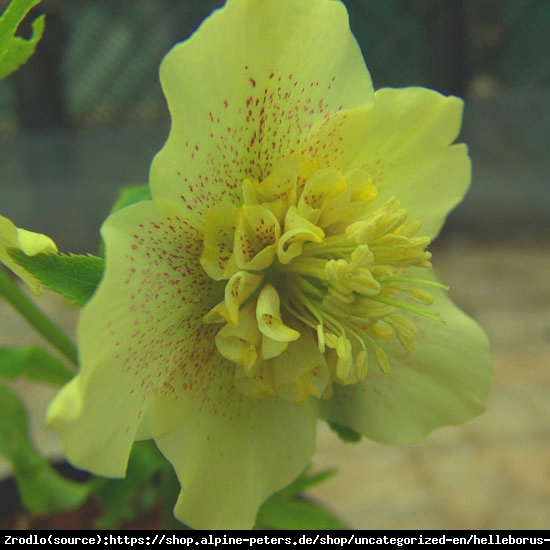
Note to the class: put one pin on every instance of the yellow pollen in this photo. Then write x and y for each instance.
(317, 280)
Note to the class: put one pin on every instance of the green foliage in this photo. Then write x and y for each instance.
(41, 488)
(126, 499)
(131, 194)
(14, 50)
(34, 363)
(307, 481)
(288, 509)
(296, 513)
(74, 276)
(347, 435)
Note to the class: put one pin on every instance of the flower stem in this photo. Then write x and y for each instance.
(43, 324)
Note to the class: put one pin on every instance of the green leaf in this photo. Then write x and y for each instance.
(347, 435)
(74, 276)
(33, 362)
(14, 51)
(296, 514)
(131, 194)
(288, 509)
(41, 488)
(306, 481)
(44, 491)
(125, 499)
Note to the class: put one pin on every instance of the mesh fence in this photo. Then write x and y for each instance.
(98, 61)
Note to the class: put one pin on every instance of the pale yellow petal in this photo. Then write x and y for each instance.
(251, 87)
(444, 381)
(404, 144)
(233, 453)
(256, 236)
(238, 343)
(301, 370)
(268, 315)
(297, 231)
(28, 242)
(219, 230)
(142, 341)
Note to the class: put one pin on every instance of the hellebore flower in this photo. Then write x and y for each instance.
(28, 242)
(280, 273)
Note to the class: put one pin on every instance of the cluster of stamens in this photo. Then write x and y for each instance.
(309, 262)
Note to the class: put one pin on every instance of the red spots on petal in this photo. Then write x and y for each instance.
(252, 82)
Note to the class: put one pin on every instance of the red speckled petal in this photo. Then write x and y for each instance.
(143, 345)
(257, 83)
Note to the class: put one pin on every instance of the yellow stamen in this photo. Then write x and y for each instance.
(307, 258)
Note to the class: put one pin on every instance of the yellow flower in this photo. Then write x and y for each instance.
(28, 242)
(280, 273)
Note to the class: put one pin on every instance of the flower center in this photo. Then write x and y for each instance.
(316, 279)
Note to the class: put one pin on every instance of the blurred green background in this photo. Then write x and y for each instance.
(87, 114)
